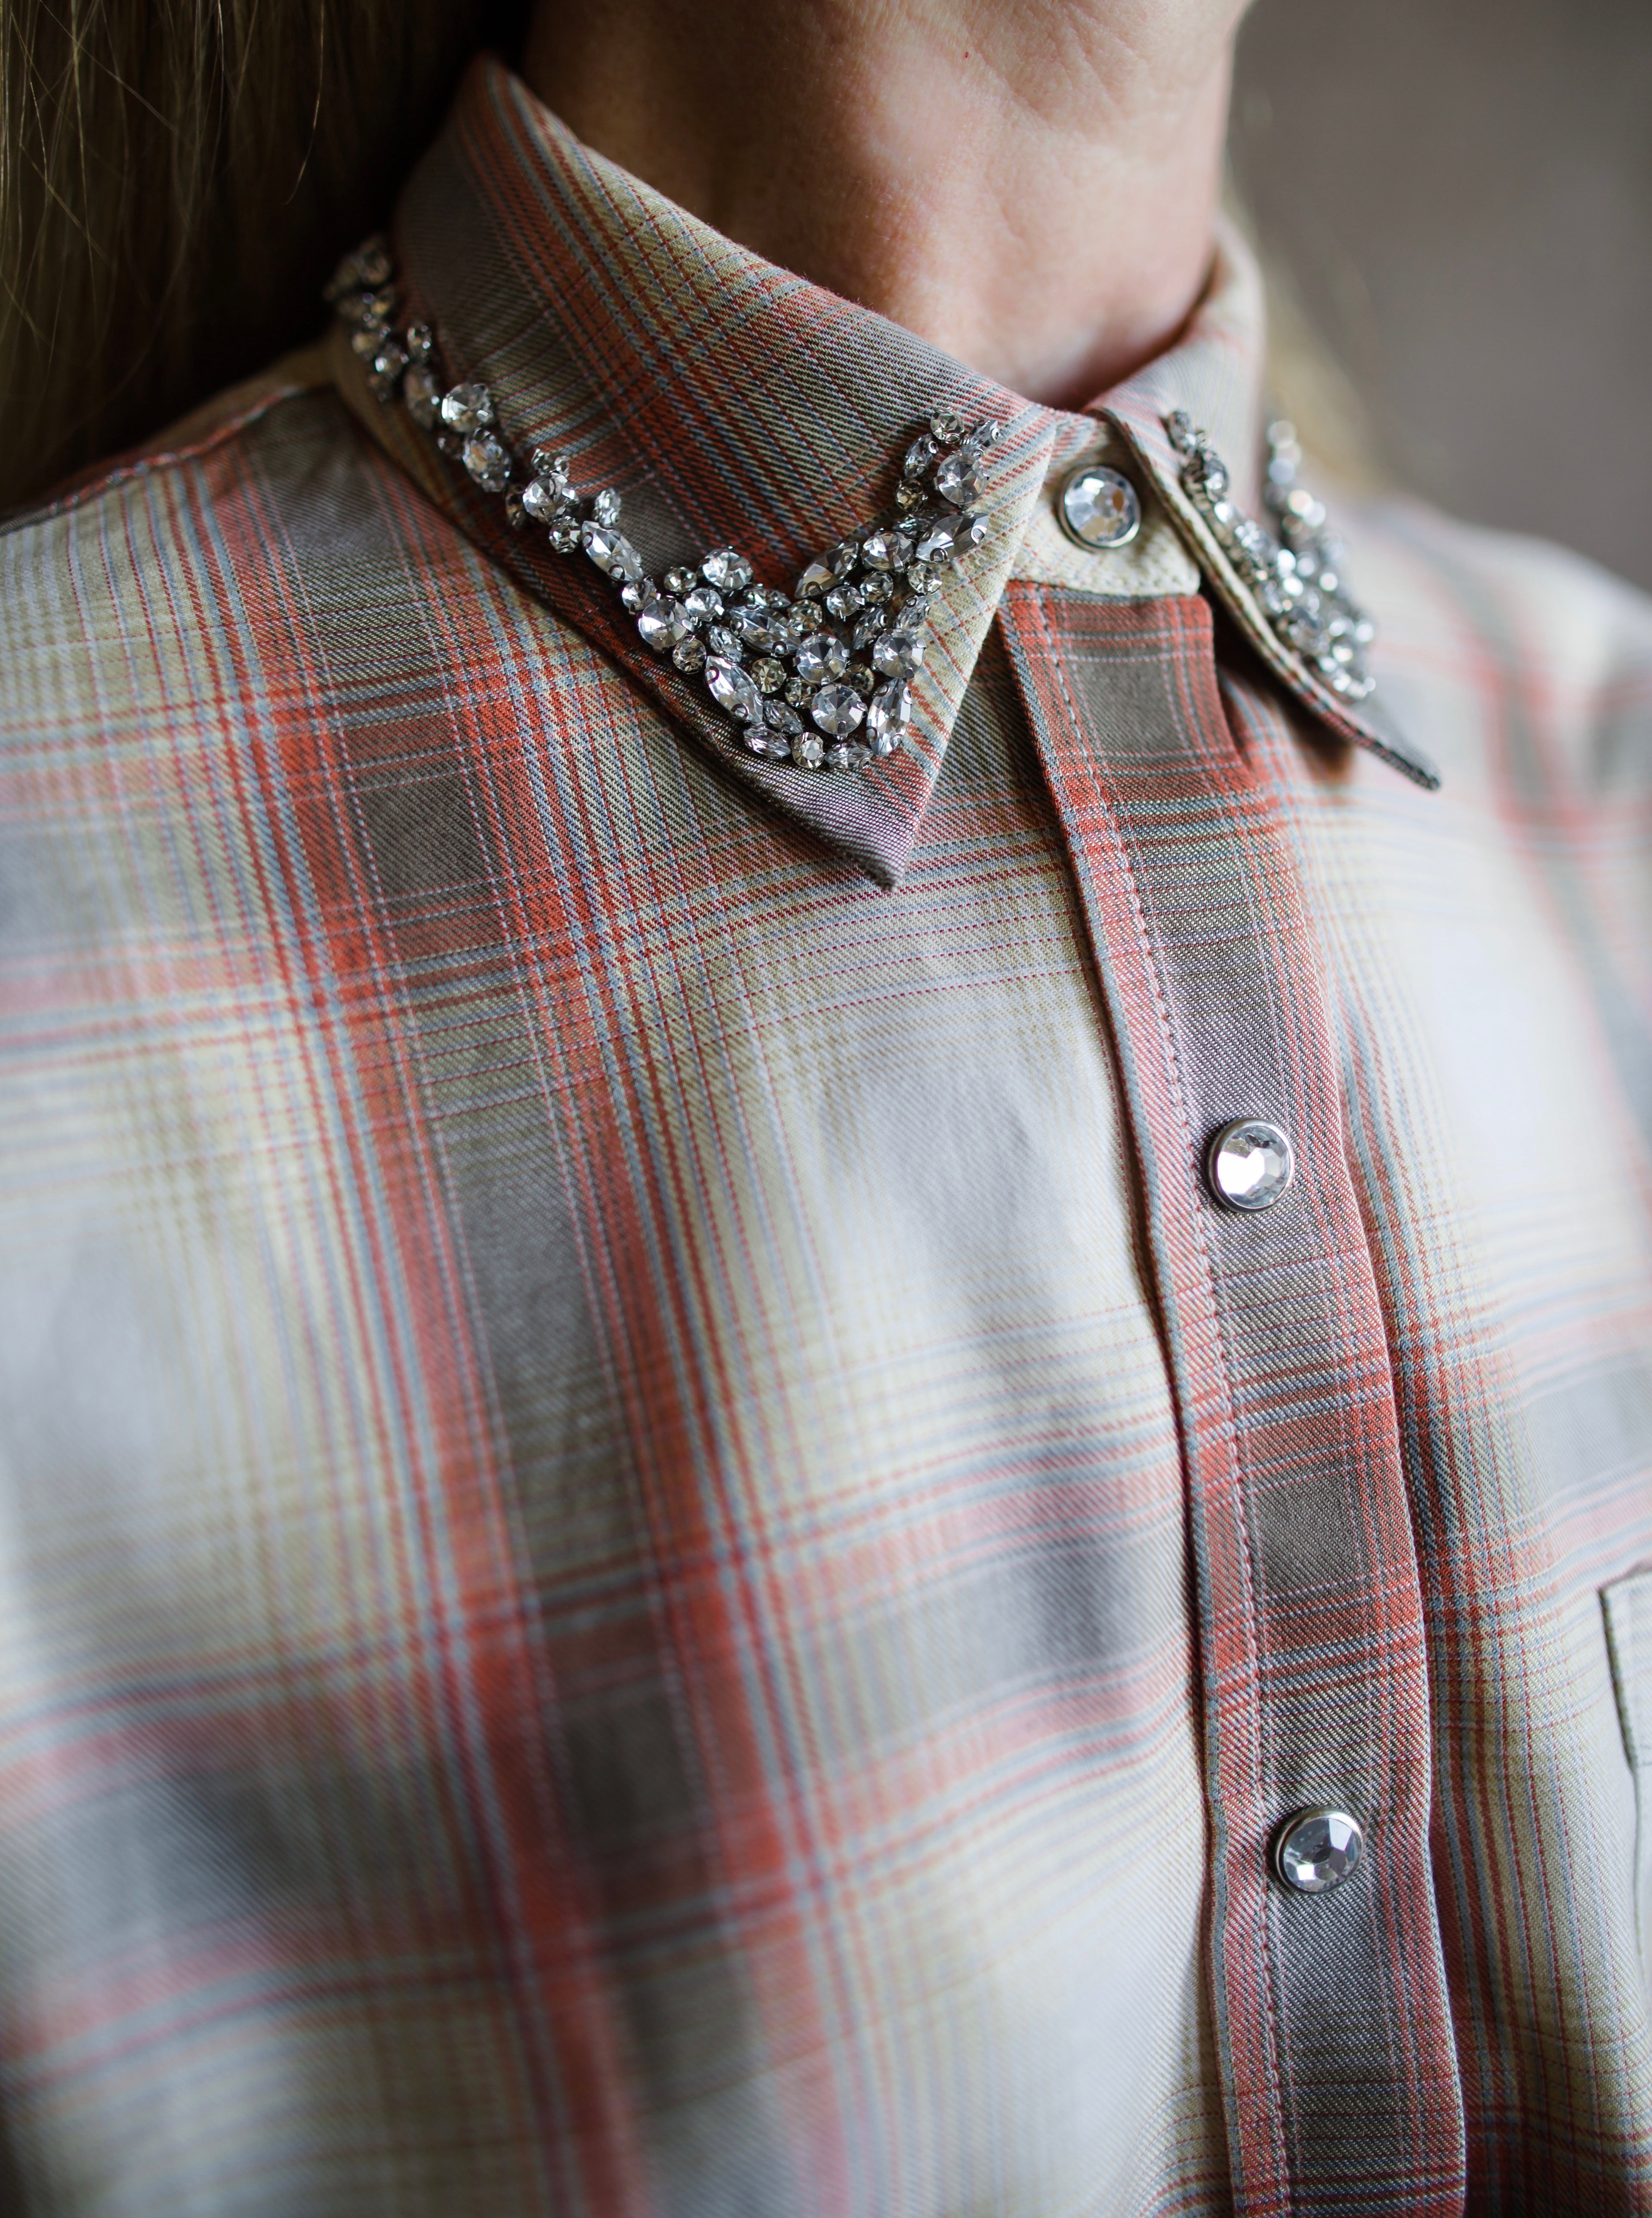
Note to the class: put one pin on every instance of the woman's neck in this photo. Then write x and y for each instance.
(1031, 186)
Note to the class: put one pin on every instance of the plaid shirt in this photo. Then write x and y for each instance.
(659, 1557)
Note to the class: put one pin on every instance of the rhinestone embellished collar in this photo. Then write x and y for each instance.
(821, 677)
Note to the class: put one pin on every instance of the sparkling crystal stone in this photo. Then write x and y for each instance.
(947, 427)
(837, 758)
(914, 611)
(634, 592)
(798, 693)
(516, 513)
(368, 339)
(420, 341)
(861, 678)
(688, 654)
(550, 463)
(662, 624)
(984, 436)
(733, 690)
(888, 717)
(1317, 1849)
(780, 718)
(921, 452)
(869, 626)
(842, 602)
(771, 675)
(1250, 1164)
(955, 480)
(757, 629)
(968, 530)
(876, 588)
(844, 557)
(720, 640)
(934, 543)
(487, 461)
(807, 751)
(703, 605)
(909, 494)
(821, 656)
(838, 709)
(606, 507)
(544, 499)
(680, 581)
(899, 654)
(725, 569)
(422, 390)
(756, 738)
(819, 578)
(389, 362)
(467, 407)
(886, 550)
(920, 576)
(610, 550)
(564, 535)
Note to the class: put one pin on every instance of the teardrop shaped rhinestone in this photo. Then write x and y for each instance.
(610, 550)
(819, 578)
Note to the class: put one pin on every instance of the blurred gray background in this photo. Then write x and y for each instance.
(1462, 192)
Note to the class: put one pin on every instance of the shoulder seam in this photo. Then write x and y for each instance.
(149, 464)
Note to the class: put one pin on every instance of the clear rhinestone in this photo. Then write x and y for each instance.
(839, 758)
(876, 588)
(721, 641)
(551, 462)
(798, 693)
(886, 550)
(634, 593)
(388, 364)
(757, 629)
(920, 576)
(819, 578)
(844, 557)
(870, 625)
(968, 530)
(680, 581)
(703, 605)
(606, 507)
(730, 573)
(422, 390)
(688, 654)
(544, 500)
(1317, 1849)
(662, 624)
(770, 675)
(914, 611)
(610, 550)
(467, 407)
(899, 654)
(842, 602)
(861, 678)
(909, 495)
(807, 751)
(756, 738)
(838, 709)
(955, 480)
(487, 461)
(1250, 1164)
(946, 426)
(821, 656)
(733, 690)
(780, 718)
(935, 544)
(984, 435)
(921, 452)
(888, 717)
(1099, 507)
(564, 535)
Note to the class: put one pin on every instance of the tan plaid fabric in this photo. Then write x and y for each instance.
(659, 1559)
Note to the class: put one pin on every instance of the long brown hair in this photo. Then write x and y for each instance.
(176, 178)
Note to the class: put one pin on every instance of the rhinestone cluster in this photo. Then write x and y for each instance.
(1293, 576)
(820, 677)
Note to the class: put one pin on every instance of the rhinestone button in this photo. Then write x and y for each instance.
(1317, 1849)
(1249, 1164)
(1099, 508)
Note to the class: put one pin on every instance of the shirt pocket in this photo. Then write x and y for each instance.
(1627, 1606)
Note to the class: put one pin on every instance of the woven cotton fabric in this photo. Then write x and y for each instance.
(657, 1556)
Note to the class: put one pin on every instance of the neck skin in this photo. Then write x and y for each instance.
(1030, 184)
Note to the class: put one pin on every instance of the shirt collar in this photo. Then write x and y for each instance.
(728, 401)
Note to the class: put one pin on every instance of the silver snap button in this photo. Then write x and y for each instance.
(1099, 508)
(1317, 1849)
(1249, 1164)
